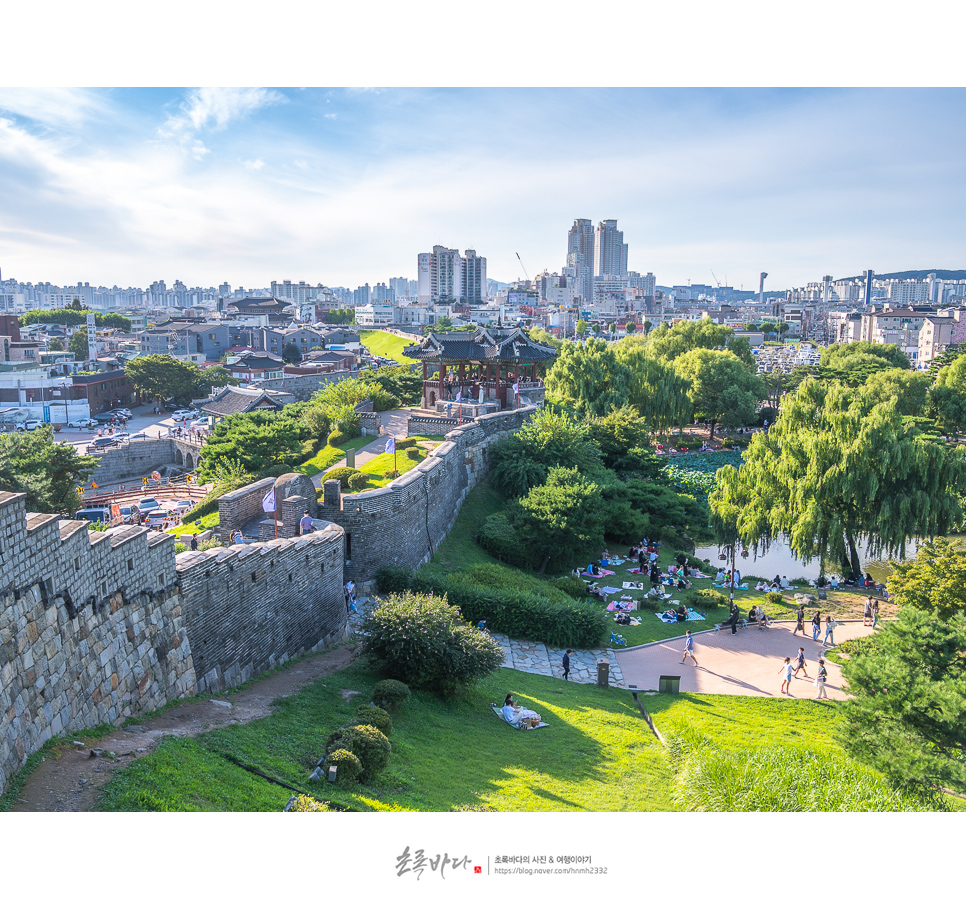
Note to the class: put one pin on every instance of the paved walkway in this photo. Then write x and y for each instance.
(537, 658)
(746, 664)
(393, 422)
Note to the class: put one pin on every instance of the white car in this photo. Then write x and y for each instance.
(30, 425)
(182, 415)
(82, 423)
(123, 413)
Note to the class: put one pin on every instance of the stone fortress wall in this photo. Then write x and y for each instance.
(96, 627)
(403, 523)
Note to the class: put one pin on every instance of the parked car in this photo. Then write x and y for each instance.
(123, 413)
(82, 423)
(157, 519)
(200, 423)
(102, 443)
(127, 512)
(148, 504)
(140, 436)
(183, 506)
(105, 418)
(98, 515)
(176, 404)
(182, 415)
(30, 425)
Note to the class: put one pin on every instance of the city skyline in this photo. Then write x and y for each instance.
(346, 187)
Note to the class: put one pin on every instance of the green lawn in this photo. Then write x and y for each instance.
(596, 755)
(460, 549)
(330, 455)
(387, 345)
(205, 522)
(380, 468)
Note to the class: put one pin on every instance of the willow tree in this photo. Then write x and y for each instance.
(587, 378)
(837, 468)
(654, 388)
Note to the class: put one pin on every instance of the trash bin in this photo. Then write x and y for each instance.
(669, 683)
(350, 458)
(603, 672)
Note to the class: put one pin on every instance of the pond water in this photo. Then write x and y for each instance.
(778, 560)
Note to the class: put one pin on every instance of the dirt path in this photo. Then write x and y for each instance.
(71, 777)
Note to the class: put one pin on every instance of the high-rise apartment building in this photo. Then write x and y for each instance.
(610, 250)
(444, 276)
(580, 256)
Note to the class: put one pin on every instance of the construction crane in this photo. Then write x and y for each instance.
(525, 275)
(716, 281)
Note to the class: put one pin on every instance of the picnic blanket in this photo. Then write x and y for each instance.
(606, 590)
(498, 711)
(635, 621)
(667, 616)
(698, 575)
(622, 606)
(633, 586)
(603, 572)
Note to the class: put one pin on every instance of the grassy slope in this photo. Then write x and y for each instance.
(380, 468)
(330, 455)
(597, 754)
(386, 345)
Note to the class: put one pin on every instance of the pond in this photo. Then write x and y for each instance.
(778, 560)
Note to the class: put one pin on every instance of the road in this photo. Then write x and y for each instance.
(144, 421)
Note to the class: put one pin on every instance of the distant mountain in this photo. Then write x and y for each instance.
(942, 274)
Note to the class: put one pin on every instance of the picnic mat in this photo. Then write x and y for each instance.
(635, 621)
(633, 586)
(698, 575)
(622, 606)
(665, 617)
(607, 590)
(603, 572)
(498, 711)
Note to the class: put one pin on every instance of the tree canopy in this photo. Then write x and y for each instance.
(836, 468)
(668, 342)
(907, 717)
(654, 388)
(163, 377)
(935, 580)
(76, 317)
(48, 472)
(908, 388)
(723, 388)
(79, 346)
(587, 378)
(258, 440)
(842, 354)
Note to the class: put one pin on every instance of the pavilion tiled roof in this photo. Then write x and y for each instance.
(230, 400)
(511, 345)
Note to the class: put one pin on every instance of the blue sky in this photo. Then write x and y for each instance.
(346, 186)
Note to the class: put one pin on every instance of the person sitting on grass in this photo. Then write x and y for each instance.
(681, 613)
(515, 714)
(681, 584)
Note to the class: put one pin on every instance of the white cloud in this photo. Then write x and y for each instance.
(63, 107)
(330, 115)
(254, 164)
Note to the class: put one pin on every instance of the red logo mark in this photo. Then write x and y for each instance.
(478, 870)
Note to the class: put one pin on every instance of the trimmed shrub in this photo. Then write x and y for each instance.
(413, 453)
(405, 443)
(358, 481)
(390, 694)
(421, 639)
(519, 614)
(341, 473)
(369, 744)
(708, 599)
(375, 716)
(306, 803)
(735, 442)
(350, 767)
(572, 587)
(499, 538)
(280, 469)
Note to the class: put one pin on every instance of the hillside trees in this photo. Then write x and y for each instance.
(836, 468)
(654, 388)
(668, 342)
(257, 440)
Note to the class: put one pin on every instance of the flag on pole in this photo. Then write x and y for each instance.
(459, 396)
(516, 387)
(390, 446)
(268, 502)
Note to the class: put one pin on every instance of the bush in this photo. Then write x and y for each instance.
(350, 767)
(572, 587)
(390, 694)
(179, 547)
(413, 453)
(358, 481)
(499, 538)
(369, 744)
(306, 803)
(338, 438)
(689, 443)
(421, 639)
(735, 442)
(670, 537)
(280, 469)
(375, 716)
(342, 473)
(518, 612)
(405, 443)
(708, 599)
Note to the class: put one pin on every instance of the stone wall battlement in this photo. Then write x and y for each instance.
(64, 559)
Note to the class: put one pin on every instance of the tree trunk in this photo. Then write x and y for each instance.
(543, 565)
(711, 431)
(854, 563)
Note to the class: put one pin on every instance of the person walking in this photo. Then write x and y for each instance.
(830, 625)
(194, 542)
(800, 620)
(821, 679)
(816, 626)
(305, 525)
(867, 612)
(689, 648)
(786, 669)
(566, 664)
(875, 613)
(800, 662)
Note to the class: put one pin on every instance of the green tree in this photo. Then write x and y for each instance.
(836, 468)
(78, 345)
(654, 388)
(935, 580)
(612, 329)
(340, 316)
(163, 377)
(722, 387)
(55, 345)
(582, 327)
(768, 329)
(668, 342)
(630, 327)
(49, 473)
(840, 354)
(291, 353)
(213, 378)
(587, 378)
(258, 440)
(781, 329)
(647, 326)
(907, 388)
(907, 717)
(947, 397)
(561, 521)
